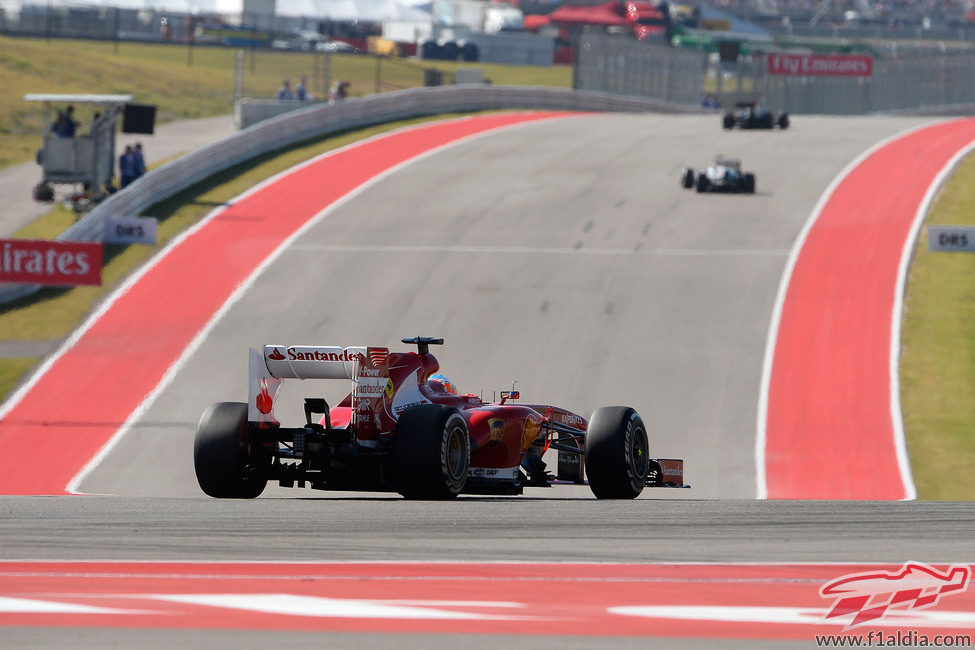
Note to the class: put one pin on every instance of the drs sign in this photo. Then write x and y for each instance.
(131, 230)
(50, 262)
(951, 238)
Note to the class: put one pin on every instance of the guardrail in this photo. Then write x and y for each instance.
(319, 120)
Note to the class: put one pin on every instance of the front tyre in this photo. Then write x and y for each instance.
(748, 184)
(687, 180)
(222, 456)
(431, 452)
(617, 453)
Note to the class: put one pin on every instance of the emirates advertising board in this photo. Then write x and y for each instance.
(822, 65)
(57, 263)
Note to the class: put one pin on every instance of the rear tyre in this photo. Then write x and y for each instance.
(748, 183)
(703, 184)
(728, 121)
(225, 465)
(617, 453)
(687, 181)
(431, 452)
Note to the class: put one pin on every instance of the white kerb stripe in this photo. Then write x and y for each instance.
(295, 605)
(33, 606)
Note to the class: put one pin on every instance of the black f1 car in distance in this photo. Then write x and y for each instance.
(404, 429)
(724, 175)
(748, 115)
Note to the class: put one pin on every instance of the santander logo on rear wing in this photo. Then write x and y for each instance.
(312, 361)
(270, 367)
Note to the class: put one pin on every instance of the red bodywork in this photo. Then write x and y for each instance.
(400, 430)
(500, 433)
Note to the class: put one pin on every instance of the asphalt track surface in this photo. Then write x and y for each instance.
(562, 254)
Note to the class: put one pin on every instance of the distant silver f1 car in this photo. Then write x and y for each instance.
(724, 175)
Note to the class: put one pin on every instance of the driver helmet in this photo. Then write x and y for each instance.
(443, 383)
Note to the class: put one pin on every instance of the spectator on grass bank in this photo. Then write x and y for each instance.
(70, 125)
(140, 160)
(284, 92)
(64, 125)
(339, 91)
(301, 90)
(127, 165)
(57, 127)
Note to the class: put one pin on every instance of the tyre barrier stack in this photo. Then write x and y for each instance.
(469, 52)
(319, 120)
(450, 51)
(466, 51)
(431, 50)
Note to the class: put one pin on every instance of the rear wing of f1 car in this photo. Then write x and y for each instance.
(269, 367)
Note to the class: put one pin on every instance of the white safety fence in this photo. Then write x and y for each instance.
(319, 120)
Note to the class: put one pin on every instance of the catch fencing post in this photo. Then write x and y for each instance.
(238, 75)
(327, 74)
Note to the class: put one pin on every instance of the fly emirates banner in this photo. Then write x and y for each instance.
(50, 262)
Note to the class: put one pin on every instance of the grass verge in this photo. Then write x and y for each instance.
(53, 313)
(194, 82)
(11, 371)
(937, 364)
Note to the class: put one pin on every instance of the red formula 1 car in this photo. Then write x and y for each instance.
(404, 429)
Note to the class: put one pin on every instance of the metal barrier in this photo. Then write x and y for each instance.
(625, 66)
(919, 80)
(929, 84)
(319, 120)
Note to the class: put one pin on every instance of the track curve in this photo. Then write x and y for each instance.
(834, 426)
(562, 254)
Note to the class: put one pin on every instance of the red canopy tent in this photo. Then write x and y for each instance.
(605, 14)
(533, 22)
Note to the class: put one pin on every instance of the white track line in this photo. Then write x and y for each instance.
(432, 562)
(533, 250)
(773, 330)
(177, 365)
